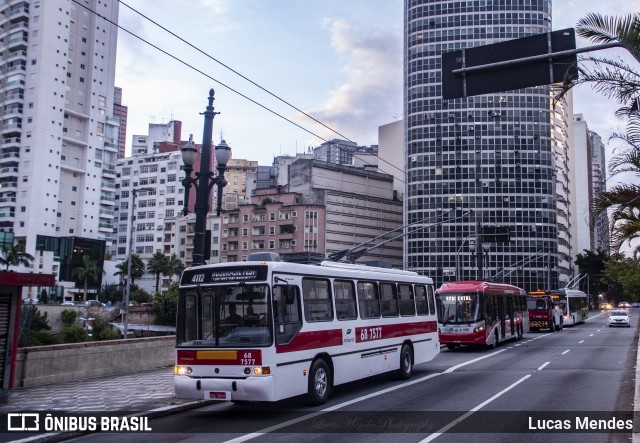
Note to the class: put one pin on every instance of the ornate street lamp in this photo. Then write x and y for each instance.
(204, 180)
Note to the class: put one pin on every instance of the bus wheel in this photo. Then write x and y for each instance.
(406, 362)
(319, 382)
(494, 344)
(552, 326)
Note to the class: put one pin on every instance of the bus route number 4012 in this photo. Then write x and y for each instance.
(367, 334)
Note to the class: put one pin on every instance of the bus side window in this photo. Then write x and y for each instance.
(388, 300)
(405, 294)
(422, 305)
(345, 296)
(369, 304)
(286, 313)
(316, 294)
(432, 300)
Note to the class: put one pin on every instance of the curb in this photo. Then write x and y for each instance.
(152, 413)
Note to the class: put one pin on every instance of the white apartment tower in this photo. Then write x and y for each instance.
(59, 139)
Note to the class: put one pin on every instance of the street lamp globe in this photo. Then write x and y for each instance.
(223, 153)
(189, 153)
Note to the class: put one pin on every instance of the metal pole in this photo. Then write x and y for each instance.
(549, 270)
(479, 251)
(202, 190)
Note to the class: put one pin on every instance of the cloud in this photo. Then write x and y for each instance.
(372, 90)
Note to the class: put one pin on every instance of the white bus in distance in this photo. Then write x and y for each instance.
(573, 304)
(266, 331)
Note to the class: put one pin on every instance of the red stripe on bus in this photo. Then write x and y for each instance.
(312, 340)
(323, 339)
(381, 332)
(239, 357)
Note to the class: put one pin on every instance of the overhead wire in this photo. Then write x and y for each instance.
(247, 79)
(227, 86)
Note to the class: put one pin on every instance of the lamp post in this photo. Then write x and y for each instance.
(204, 180)
(458, 254)
(127, 292)
(480, 250)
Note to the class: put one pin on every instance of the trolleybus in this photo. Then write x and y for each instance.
(573, 304)
(265, 331)
(480, 313)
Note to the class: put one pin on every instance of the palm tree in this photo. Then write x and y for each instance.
(175, 266)
(613, 78)
(618, 80)
(15, 256)
(137, 268)
(88, 271)
(158, 264)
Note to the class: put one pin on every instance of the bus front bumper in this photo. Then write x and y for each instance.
(225, 389)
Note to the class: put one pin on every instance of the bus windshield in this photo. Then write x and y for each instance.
(227, 316)
(537, 303)
(459, 307)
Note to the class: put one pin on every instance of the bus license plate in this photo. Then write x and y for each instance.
(217, 395)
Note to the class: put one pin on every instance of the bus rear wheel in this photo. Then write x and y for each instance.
(319, 382)
(406, 362)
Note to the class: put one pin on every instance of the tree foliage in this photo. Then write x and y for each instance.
(15, 256)
(137, 269)
(618, 80)
(165, 306)
(88, 271)
(73, 334)
(626, 272)
(68, 317)
(158, 264)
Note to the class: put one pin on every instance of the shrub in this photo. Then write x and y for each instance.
(73, 334)
(103, 331)
(68, 317)
(39, 338)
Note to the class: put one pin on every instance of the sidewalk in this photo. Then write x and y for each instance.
(136, 392)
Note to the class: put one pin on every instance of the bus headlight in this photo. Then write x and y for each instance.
(478, 329)
(264, 370)
(182, 370)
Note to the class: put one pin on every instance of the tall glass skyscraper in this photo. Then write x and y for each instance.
(505, 156)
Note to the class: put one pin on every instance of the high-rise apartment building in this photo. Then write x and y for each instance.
(59, 138)
(120, 112)
(601, 233)
(505, 156)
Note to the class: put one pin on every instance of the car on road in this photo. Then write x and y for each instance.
(68, 303)
(94, 304)
(619, 317)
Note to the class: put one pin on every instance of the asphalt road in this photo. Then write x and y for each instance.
(513, 393)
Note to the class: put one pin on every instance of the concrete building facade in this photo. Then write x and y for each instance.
(59, 138)
(506, 156)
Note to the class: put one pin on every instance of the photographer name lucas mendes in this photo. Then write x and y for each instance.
(581, 424)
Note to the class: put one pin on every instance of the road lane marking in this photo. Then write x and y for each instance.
(463, 417)
(566, 351)
(591, 335)
(543, 366)
(274, 428)
(581, 341)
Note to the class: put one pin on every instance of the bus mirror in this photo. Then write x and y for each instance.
(291, 295)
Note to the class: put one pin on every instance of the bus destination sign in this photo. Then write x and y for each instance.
(224, 274)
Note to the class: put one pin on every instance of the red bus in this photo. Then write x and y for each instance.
(480, 313)
(265, 331)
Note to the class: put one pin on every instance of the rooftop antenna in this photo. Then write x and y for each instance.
(221, 133)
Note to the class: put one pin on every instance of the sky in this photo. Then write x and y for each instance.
(337, 60)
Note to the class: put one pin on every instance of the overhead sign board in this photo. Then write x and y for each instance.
(514, 64)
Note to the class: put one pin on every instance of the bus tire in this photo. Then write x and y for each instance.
(494, 344)
(406, 362)
(319, 382)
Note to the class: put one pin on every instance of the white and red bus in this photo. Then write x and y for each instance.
(480, 313)
(265, 331)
